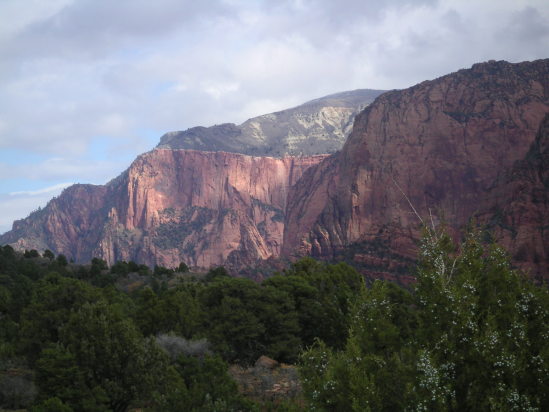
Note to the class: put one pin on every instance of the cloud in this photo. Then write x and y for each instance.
(17, 205)
(49, 190)
(60, 168)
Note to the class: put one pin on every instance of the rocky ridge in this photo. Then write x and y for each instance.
(317, 127)
(211, 206)
(518, 209)
(455, 147)
(440, 146)
(203, 208)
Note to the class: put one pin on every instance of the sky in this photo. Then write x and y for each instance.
(87, 85)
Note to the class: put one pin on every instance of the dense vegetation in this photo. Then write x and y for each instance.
(472, 335)
(94, 338)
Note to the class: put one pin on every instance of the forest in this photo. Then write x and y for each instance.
(471, 334)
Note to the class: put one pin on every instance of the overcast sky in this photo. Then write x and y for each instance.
(87, 85)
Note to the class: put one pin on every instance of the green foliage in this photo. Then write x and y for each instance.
(209, 386)
(86, 351)
(231, 318)
(175, 310)
(112, 355)
(120, 268)
(53, 301)
(323, 295)
(473, 336)
(62, 260)
(99, 263)
(52, 405)
(485, 328)
(58, 374)
(244, 320)
(33, 253)
(48, 254)
(217, 272)
(161, 270)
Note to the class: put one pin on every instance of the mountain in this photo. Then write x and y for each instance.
(171, 205)
(518, 208)
(316, 127)
(446, 149)
(204, 207)
(469, 144)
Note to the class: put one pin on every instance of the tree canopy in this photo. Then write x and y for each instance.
(472, 336)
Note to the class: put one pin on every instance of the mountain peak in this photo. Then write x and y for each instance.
(319, 126)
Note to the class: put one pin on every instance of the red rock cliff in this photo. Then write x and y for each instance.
(203, 208)
(443, 144)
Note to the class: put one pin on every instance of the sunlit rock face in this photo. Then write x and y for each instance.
(442, 147)
(203, 208)
(213, 203)
(469, 144)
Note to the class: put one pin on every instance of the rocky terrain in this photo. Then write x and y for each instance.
(317, 127)
(446, 148)
(467, 145)
(211, 206)
(203, 208)
(267, 380)
(518, 209)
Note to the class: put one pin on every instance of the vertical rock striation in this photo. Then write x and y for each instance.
(203, 208)
(440, 146)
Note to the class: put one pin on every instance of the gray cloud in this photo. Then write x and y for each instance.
(93, 28)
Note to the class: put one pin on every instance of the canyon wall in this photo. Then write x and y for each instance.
(203, 208)
(472, 144)
(440, 148)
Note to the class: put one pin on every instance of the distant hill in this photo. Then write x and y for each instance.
(319, 126)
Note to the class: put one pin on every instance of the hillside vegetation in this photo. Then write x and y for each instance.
(472, 334)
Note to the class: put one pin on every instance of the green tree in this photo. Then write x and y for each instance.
(33, 253)
(48, 254)
(53, 301)
(120, 268)
(231, 319)
(52, 405)
(183, 268)
(148, 312)
(217, 272)
(472, 337)
(376, 368)
(277, 313)
(323, 295)
(483, 329)
(62, 260)
(112, 355)
(59, 376)
(180, 310)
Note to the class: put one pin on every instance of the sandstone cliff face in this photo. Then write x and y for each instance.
(203, 208)
(518, 209)
(69, 224)
(443, 144)
(459, 146)
(317, 127)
